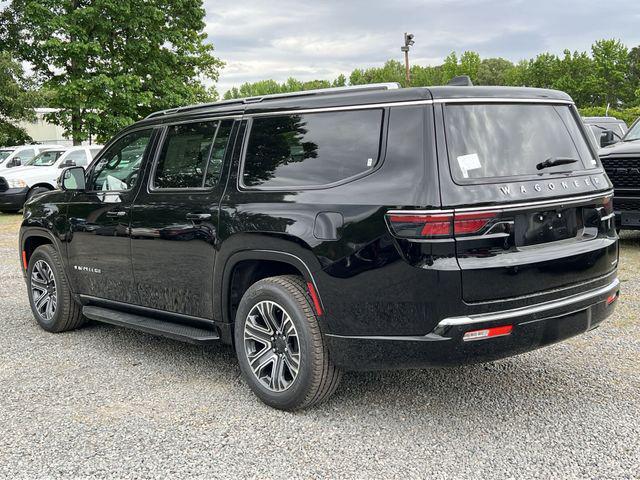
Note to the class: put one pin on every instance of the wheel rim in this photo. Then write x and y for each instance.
(271, 345)
(43, 290)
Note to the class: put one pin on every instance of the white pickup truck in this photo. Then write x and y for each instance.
(20, 155)
(40, 174)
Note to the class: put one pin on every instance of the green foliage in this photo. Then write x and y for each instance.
(107, 63)
(494, 71)
(609, 75)
(17, 101)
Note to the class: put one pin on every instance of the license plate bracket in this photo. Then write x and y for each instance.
(533, 228)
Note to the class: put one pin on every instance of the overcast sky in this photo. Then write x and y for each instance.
(321, 39)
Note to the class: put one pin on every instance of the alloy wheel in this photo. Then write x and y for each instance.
(272, 346)
(43, 290)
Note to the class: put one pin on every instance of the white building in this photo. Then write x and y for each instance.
(44, 132)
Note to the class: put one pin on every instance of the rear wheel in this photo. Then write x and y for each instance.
(280, 348)
(53, 306)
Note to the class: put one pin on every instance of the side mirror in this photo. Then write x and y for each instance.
(72, 178)
(15, 162)
(67, 163)
(607, 137)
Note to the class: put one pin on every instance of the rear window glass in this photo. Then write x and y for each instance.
(312, 149)
(510, 140)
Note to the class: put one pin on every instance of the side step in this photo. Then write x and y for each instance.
(176, 331)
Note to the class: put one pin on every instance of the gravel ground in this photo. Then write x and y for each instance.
(107, 402)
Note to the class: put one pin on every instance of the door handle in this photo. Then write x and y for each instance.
(116, 213)
(199, 217)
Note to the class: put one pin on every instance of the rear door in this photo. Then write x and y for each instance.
(532, 205)
(175, 217)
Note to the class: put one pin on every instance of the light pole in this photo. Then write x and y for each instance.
(408, 42)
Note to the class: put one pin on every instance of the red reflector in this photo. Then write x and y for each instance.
(612, 298)
(25, 264)
(487, 333)
(315, 298)
(466, 223)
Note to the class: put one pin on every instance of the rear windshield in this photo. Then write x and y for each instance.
(513, 140)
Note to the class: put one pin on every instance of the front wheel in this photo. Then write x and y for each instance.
(280, 348)
(51, 301)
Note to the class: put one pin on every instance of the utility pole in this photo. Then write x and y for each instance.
(408, 42)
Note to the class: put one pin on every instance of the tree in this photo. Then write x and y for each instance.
(575, 76)
(611, 70)
(16, 101)
(108, 62)
(494, 71)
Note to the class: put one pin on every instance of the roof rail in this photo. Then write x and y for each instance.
(273, 96)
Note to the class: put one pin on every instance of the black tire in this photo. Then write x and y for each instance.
(68, 313)
(317, 378)
(35, 191)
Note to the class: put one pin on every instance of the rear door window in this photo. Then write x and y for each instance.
(192, 155)
(512, 140)
(313, 149)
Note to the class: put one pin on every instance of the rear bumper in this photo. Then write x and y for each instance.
(13, 198)
(533, 327)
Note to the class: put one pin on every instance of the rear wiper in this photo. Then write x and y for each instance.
(555, 161)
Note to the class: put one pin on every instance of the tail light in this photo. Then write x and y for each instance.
(435, 225)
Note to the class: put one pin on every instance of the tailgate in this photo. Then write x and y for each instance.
(532, 248)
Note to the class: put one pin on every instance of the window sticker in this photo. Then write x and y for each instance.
(469, 162)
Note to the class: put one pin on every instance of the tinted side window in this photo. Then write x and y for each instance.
(312, 149)
(118, 168)
(79, 157)
(214, 169)
(26, 154)
(184, 155)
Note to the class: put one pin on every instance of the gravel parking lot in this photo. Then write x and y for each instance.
(104, 401)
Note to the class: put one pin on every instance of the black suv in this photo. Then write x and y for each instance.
(622, 164)
(365, 228)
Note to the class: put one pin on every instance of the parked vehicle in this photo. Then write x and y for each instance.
(622, 164)
(20, 155)
(606, 130)
(317, 232)
(40, 174)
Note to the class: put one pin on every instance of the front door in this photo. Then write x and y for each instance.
(175, 216)
(99, 245)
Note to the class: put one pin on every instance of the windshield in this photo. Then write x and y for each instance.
(45, 159)
(634, 133)
(512, 140)
(4, 154)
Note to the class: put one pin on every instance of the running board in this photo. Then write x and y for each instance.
(176, 331)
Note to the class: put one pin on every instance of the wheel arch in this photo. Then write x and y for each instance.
(245, 267)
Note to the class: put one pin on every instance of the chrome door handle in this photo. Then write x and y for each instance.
(117, 213)
(200, 217)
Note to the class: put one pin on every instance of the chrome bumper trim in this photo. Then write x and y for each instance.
(520, 312)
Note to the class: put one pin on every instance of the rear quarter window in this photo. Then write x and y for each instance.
(314, 149)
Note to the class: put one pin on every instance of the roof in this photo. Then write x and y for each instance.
(362, 95)
(602, 120)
